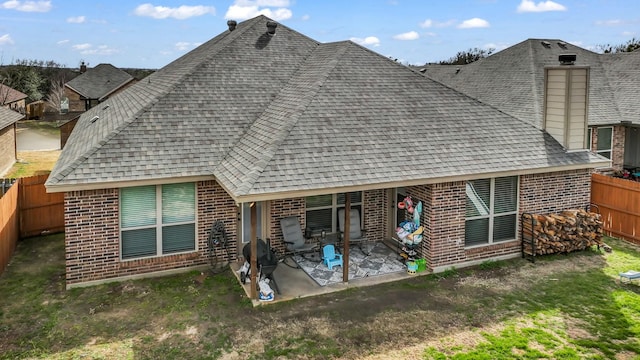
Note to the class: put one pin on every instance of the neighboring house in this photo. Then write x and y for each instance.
(8, 148)
(92, 87)
(291, 125)
(512, 80)
(12, 99)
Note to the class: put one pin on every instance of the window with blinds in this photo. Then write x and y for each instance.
(322, 210)
(157, 220)
(491, 210)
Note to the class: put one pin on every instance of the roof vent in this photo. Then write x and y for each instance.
(567, 59)
(105, 107)
(232, 24)
(562, 44)
(271, 27)
(546, 44)
(94, 119)
(423, 70)
(457, 70)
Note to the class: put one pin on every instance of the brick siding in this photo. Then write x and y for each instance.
(92, 237)
(92, 226)
(444, 204)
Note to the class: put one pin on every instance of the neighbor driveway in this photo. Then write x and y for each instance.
(36, 139)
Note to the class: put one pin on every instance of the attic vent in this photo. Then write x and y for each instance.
(105, 107)
(562, 44)
(546, 44)
(567, 59)
(457, 70)
(271, 27)
(94, 119)
(232, 25)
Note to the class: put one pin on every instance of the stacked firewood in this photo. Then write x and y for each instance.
(568, 231)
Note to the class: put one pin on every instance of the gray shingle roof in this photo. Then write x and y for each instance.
(100, 81)
(8, 117)
(267, 115)
(513, 80)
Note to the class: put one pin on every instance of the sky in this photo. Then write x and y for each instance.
(140, 34)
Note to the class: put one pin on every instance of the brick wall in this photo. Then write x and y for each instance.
(92, 239)
(554, 192)
(7, 148)
(280, 209)
(375, 213)
(76, 103)
(444, 213)
(617, 151)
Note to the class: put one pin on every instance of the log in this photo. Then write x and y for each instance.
(571, 230)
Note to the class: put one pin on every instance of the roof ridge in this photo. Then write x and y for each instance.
(80, 158)
(278, 119)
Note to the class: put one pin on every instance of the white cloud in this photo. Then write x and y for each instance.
(474, 23)
(368, 41)
(306, 17)
(89, 49)
(84, 46)
(428, 23)
(628, 33)
(411, 35)
(62, 42)
(182, 12)
(76, 19)
(238, 12)
(6, 40)
(184, 45)
(27, 6)
(542, 6)
(614, 22)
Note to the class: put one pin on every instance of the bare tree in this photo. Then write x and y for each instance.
(56, 95)
(629, 46)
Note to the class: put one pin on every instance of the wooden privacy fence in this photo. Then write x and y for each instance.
(619, 203)
(40, 212)
(27, 210)
(9, 225)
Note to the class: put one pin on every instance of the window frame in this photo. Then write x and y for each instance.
(610, 149)
(158, 225)
(335, 206)
(492, 215)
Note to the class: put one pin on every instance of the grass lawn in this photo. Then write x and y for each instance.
(32, 163)
(561, 307)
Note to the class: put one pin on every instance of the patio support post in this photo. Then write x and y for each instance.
(347, 230)
(254, 250)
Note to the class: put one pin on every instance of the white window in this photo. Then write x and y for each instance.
(157, 220)
(322, 210)
(605, 141)
(491, 210)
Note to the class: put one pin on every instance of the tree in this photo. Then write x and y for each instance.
(468, 56)
(629, 46)
(56, 95)
(32, 77)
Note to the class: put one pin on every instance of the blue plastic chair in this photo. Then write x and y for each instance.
(330, 257)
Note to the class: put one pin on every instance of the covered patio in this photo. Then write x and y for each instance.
(295, 283)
